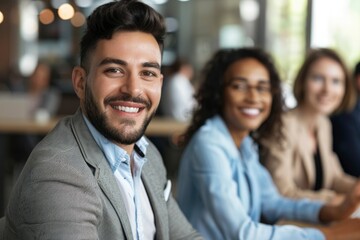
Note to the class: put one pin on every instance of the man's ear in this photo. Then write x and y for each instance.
(79, 81)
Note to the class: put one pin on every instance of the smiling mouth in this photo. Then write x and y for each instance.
(325, 100)
(127, 109)
(251, 111)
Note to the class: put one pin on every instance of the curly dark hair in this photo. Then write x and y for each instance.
(210, 95)
(124, 15)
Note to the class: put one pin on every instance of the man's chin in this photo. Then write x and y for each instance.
(128, 130)
(124, 136)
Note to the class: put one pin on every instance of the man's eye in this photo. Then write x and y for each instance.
(149, 74)
(113, 70)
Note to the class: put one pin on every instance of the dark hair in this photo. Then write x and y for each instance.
(210, 95)
(356, 76)
(124, 15)
(357, 69)
(313, 56)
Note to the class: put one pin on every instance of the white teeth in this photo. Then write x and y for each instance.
(251, 111)
(127, 109)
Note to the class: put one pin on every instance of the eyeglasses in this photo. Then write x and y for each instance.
(243, 87)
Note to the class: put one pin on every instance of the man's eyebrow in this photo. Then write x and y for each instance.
(152, 65)
(112, 60)
(123, 63)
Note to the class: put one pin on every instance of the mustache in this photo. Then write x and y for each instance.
(128, 98)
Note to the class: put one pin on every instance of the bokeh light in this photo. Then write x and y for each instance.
(78, 19)
(160, 1)
(66, 11)
(46, 16)
(249, 10)
(1, 17)
(84, 3)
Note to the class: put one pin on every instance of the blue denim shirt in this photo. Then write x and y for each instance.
(224, 191)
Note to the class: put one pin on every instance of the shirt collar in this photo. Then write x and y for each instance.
(248, 148)
(113, 153)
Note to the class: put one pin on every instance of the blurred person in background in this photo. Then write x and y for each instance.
(177, 100)
(346, 133)
(303, 164)
(38, 85)
(222, 188)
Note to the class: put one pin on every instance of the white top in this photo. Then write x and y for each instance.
(178, 98)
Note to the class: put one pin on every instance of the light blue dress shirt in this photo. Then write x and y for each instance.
(224, 191)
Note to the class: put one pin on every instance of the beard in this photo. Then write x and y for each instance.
(102, 123)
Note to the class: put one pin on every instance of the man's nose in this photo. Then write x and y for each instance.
(131, 85)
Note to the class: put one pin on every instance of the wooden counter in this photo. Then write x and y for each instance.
(157, 127)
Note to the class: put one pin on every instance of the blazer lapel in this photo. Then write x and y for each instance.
(155, 193)
(110, 188)
(106, 180)
(324, 143)
(305, 154)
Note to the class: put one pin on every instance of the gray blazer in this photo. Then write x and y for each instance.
(68, 191)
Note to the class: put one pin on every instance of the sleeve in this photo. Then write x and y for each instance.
(61, 203)
(180, 228)
(291, 209)
(219, 191)
(279, 159)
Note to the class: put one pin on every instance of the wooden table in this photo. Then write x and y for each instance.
(157, 127)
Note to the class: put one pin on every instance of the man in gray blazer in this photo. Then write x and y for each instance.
(95, 175)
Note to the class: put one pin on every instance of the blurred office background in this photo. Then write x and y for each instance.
(50, 30)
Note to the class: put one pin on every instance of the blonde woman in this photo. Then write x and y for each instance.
(303, 164)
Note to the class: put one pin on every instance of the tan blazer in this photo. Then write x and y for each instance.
(292, 165)
(68, 191)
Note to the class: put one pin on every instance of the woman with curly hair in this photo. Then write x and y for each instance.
(222, 188)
